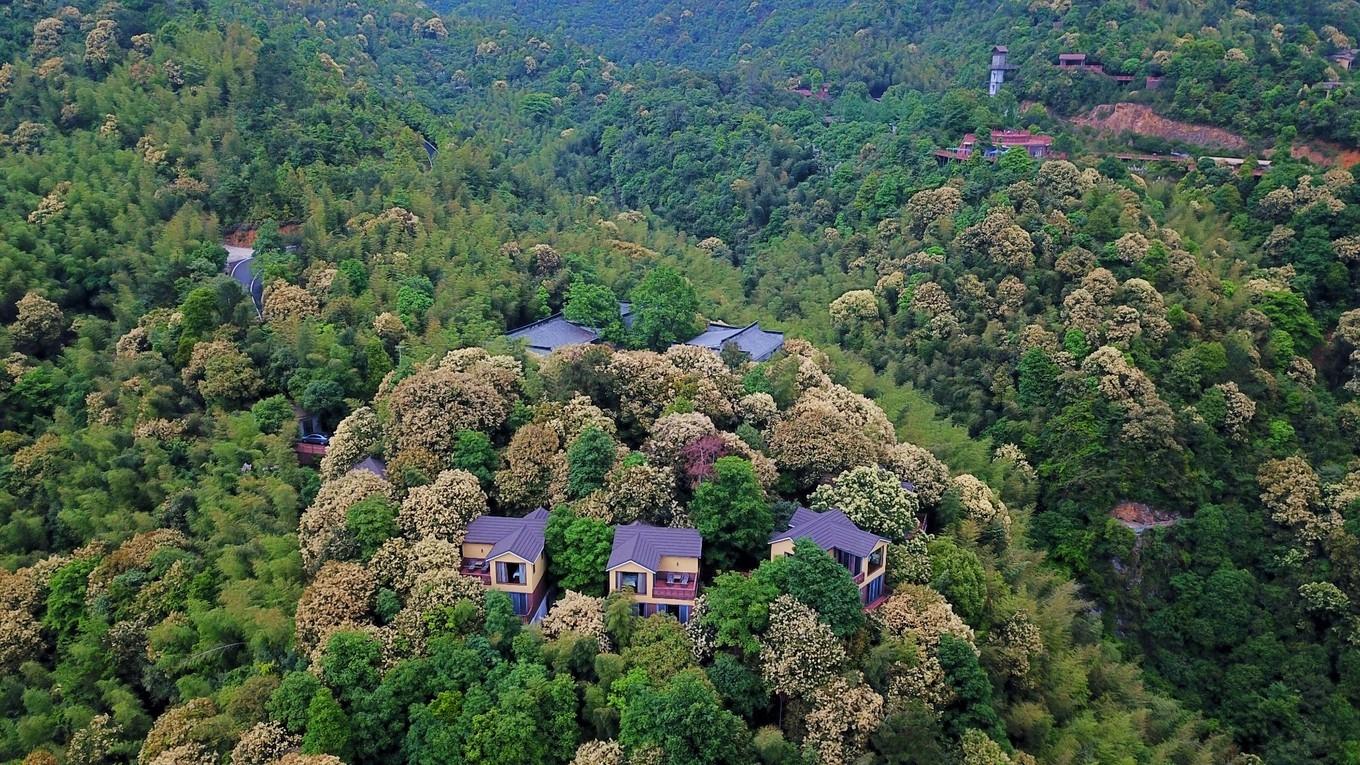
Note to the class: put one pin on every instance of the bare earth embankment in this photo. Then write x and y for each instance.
(1142, 120)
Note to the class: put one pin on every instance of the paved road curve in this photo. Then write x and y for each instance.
(242, 267)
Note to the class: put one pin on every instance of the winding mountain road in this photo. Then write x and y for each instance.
(242, 267)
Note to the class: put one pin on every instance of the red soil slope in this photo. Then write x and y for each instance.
(1141, 119)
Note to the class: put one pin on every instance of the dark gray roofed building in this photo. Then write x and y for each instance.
(645, 545)
(759, 344)
(547, 335)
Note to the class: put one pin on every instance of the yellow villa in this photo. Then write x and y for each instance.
(659, 565)
(864, 554)
(506, 554)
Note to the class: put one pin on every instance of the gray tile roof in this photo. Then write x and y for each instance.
(644, 545)
(373, 465)
(829, 529)
(759, 344)
(521, 536)
(547, 335)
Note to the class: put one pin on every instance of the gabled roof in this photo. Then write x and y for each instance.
(829, 529)
(759, 344)
(373, 465)
(522, 537)
(645, 545)
(546, 335)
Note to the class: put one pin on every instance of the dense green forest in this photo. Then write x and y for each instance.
(1253, 67)
(1004, 352)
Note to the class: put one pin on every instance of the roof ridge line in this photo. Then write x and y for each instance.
(537, 322)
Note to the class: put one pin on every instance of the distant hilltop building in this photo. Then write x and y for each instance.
(547, 335)
(821, 94)
(1346, 58)
(1079, 61)
(1000, 66)
(1034, 144)
(1038, 146)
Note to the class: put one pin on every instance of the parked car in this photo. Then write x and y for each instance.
(315, 438)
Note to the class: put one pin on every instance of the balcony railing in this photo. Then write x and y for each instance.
(859, 578)
(675, 586)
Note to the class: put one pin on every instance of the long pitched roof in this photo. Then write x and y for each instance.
(829, 529)
(759, 344)
(645, 545)
(546, 335)
(522, 537)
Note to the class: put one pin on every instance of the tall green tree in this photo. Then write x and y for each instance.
(327, 726)
(578, 550)
(665, 309)
(685, 719)
(732, 514)
(589, 459)
(819, 582)
(973, 702)
(593, 305)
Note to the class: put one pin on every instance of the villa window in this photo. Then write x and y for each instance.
(681, 613)
(876, 560)
(634, 579)
(510, 573)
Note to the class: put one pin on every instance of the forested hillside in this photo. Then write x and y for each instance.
(983, 362)
(1255, 68)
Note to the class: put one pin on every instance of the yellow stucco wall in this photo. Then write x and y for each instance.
(471, 550)
(784, 547)
(672, 563)
(668, 563)
(533, 574)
